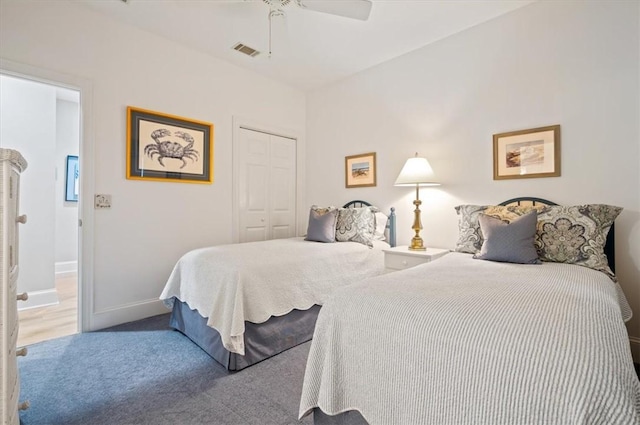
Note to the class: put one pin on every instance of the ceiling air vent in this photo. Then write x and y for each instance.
(242, 48)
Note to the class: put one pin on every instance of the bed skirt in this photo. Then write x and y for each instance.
(261, 340)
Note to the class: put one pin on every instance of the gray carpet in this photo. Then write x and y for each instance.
(145, 373)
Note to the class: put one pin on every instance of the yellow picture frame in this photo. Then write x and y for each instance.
(168, 148)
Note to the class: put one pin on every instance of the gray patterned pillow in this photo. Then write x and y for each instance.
(356, 224)
(470, 234)
(509, 242)
(576, 235)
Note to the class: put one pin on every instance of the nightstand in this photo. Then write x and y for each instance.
(400, 257)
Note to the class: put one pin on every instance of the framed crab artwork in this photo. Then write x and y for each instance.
(164, 147)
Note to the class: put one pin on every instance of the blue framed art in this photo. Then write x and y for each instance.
(72, 180)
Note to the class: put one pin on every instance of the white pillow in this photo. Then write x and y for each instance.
(381, 225)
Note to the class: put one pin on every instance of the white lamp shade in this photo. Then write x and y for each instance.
(416, 171)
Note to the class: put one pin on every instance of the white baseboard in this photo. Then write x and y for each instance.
(126, 313)
(635, 348)
(66, 268)
(39, 299)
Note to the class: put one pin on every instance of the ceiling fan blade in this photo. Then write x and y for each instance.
(356, 9)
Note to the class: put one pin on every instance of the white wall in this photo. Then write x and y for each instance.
(28, 116)
(568, 63)
(67, 143)
(151, 224)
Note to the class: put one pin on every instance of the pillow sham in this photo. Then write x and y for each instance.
(322, 210)
(322, 225)
(356, 224)
(576, 235)
(509, 242)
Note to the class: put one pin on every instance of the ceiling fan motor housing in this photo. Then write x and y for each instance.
(277, 3)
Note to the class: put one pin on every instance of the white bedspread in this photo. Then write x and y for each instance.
(464, 341)
(229, 284)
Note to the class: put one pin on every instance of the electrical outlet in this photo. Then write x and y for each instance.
(102, 201)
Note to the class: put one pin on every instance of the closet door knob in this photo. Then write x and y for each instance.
(21, 352)
(22, 297)
(24, 405)
(21, 219)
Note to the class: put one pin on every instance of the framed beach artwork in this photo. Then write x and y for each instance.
(527, 153)
(360, 170)
(72, 180)
(164, 147)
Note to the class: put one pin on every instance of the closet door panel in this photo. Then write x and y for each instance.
(283, 187)
(254, 186)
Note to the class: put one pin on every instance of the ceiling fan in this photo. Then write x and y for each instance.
(355, 9)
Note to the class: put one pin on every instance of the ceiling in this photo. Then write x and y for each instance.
(309, 49)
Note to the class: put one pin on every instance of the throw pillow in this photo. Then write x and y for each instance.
(322, 210)
(322, 227)
(356, 224)
(381, 225)
(509, 242)
(576, 235)
(469, 232)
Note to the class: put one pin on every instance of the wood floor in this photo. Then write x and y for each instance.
(44, 323)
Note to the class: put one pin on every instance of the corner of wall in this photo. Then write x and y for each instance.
(127, 313)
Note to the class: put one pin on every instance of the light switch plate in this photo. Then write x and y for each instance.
(102, 201)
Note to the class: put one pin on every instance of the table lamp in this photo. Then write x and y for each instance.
(418, 172)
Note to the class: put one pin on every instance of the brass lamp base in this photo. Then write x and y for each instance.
(416, 242)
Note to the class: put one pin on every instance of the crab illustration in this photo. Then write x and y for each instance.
(170, 149)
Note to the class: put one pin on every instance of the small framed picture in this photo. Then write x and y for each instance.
(72, 180)
(360, 170)
(164, 147)
(527, 153)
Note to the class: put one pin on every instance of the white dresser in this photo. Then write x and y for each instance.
(11, 165)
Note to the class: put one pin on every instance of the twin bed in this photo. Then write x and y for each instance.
(484, 335)
(243, 303)
(462, 340)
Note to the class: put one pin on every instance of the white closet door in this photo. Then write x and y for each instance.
(253, 185)
(266, 187)
(282, 213)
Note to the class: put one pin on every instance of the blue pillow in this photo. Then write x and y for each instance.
(322, 227)
(509, 242)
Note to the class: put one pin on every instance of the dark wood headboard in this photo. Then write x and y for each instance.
(609, 247)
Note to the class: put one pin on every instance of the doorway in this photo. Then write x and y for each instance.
(42, 121)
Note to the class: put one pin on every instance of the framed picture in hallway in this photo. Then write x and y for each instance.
(72, 179)
(360, 170)
(162, 147)
(527, 153)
